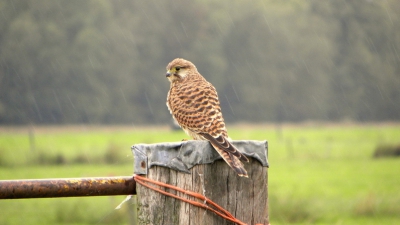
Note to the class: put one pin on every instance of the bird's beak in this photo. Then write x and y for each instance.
(168, 74)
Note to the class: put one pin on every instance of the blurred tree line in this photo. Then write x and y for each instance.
(96, 61)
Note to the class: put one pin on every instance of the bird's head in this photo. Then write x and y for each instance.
(179, 69)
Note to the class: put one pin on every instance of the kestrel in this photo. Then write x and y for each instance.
(193, 103)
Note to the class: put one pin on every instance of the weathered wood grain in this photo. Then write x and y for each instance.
(245, 198)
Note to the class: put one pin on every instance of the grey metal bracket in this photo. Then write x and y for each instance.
(182, 156)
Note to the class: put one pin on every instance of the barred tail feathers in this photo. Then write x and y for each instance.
(223, 143)
(232, 161)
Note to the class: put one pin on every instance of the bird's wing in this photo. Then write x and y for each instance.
(196, 108)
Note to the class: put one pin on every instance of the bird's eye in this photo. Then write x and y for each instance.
(177, 68)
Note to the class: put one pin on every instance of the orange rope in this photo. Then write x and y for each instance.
(190, 193)
(219, 210)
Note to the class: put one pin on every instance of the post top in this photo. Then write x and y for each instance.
(184, 155)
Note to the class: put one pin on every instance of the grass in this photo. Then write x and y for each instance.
(319, 174)
(90, 210)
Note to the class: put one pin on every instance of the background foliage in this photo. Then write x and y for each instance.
(74, 61)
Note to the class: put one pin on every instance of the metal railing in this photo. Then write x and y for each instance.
(67, 187)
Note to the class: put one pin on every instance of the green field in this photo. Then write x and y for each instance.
(319, 173)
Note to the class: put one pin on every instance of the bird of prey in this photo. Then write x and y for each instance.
(193, 103)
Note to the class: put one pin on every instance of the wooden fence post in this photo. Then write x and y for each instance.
(244, 198)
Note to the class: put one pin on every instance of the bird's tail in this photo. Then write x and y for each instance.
(233, 161)
(229, 153)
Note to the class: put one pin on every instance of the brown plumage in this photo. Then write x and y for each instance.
(193, 103)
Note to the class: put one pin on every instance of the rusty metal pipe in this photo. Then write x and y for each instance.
(67, 187)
